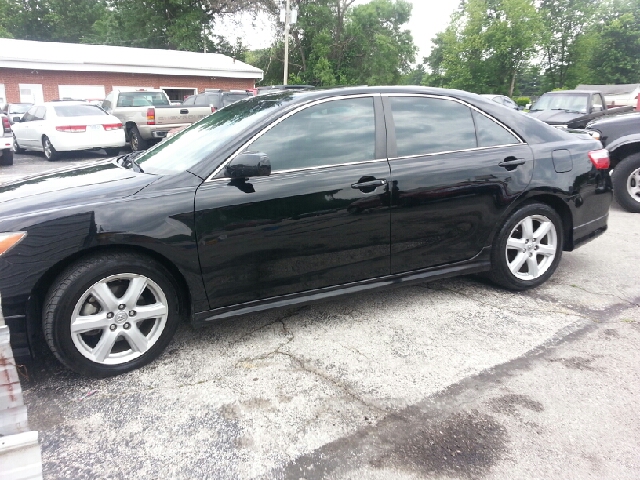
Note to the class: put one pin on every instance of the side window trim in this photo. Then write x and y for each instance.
(220, 168)
(392, 151)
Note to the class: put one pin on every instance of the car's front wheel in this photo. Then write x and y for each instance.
(50, 152)
(110, 313)
(626, 183)
(528, 247)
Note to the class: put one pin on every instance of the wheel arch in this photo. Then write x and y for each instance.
(621, 152)
(555, 202)
(42, 286)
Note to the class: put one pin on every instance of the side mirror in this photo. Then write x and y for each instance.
(249, 164)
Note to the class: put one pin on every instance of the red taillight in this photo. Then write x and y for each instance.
(6, 124)
(151, 116)
(213, 109)
(600, 158)
(72, 128)
(112, 126)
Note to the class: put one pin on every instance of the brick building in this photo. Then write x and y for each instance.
(33, 72)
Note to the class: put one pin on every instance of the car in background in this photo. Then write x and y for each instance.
(502, 100)
(217, 99)
(15, 111)
(287, 199)
(276, 88)
(6, 141)
(147, 114)
(64, 126)
(620, 135)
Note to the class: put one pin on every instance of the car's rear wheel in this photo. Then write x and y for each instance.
(528, 247)
(626, 183)
(136, 141)
(7, 157)
(17, 148)
(50, 152)
(110, 313)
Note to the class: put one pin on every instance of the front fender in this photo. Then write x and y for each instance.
(622, 141)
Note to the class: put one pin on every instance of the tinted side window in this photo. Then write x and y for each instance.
(331, 133)
(490, 133)
(30, 115)
(431, 125)
(190, 100)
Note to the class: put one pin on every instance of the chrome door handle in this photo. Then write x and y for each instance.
(512, 162)
(370, 183)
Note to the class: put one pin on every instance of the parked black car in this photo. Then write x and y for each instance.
(285, 199)
(621, 136)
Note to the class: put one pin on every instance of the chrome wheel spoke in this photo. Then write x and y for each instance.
(135, 289)
(150, 311)
(546, 250)
(633, 185)
(542, 230)
(136, 340)
(86, 323)
(517, 263)
(527, 228)
(105, 345)
(105, 296)
(532, 265)
(516, 244)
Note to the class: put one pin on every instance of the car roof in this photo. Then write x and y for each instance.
(573, 92)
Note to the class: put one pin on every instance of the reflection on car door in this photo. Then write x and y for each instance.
(36, 127)
(454, 173)
(310, 224)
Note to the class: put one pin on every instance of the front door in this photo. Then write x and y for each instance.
(321, 218)
(454, 172)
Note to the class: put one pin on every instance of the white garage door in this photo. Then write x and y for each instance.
(31, 93)
(81, 92)
(132, 88)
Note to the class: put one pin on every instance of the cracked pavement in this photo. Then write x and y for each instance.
(450, 379)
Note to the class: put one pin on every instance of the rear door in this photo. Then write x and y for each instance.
(454, 172)
(320, 219)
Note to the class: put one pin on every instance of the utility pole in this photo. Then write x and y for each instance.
(287, 19)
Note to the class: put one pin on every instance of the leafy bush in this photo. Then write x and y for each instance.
(523, 101)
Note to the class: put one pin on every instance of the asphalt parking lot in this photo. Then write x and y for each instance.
(450, 379)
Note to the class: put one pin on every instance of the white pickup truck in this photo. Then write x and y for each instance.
(148, 115)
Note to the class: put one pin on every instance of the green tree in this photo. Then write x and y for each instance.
(564, 22)
(485, 46)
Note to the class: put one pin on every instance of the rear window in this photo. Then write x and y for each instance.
(142, 99)
(229, 98)
(78, 110)
(19, 107)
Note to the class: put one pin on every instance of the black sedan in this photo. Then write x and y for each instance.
(284, 199)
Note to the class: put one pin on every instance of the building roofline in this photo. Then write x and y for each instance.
(27, 54)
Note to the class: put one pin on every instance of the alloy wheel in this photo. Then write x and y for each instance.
(47, 148)
(119, 318)
(16, 147)
(633, 185)
(531, 247)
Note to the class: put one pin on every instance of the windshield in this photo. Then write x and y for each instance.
(78, 110)
(142, 99)
(19, 107)
(571, 102)
(194, 144)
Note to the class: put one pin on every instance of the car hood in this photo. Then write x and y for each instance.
(85, 184)
(555, 117)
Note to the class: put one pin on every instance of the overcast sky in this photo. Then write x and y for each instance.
(428, 18)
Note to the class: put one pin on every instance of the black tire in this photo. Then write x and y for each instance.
(112, 152)
(500, 272)
(136, 141)
(621, 178)
(17, 148)
(7, 157)
(73, 284)
(50, 153)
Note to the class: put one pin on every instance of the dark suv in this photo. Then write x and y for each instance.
(621, 136)
(217, 98)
